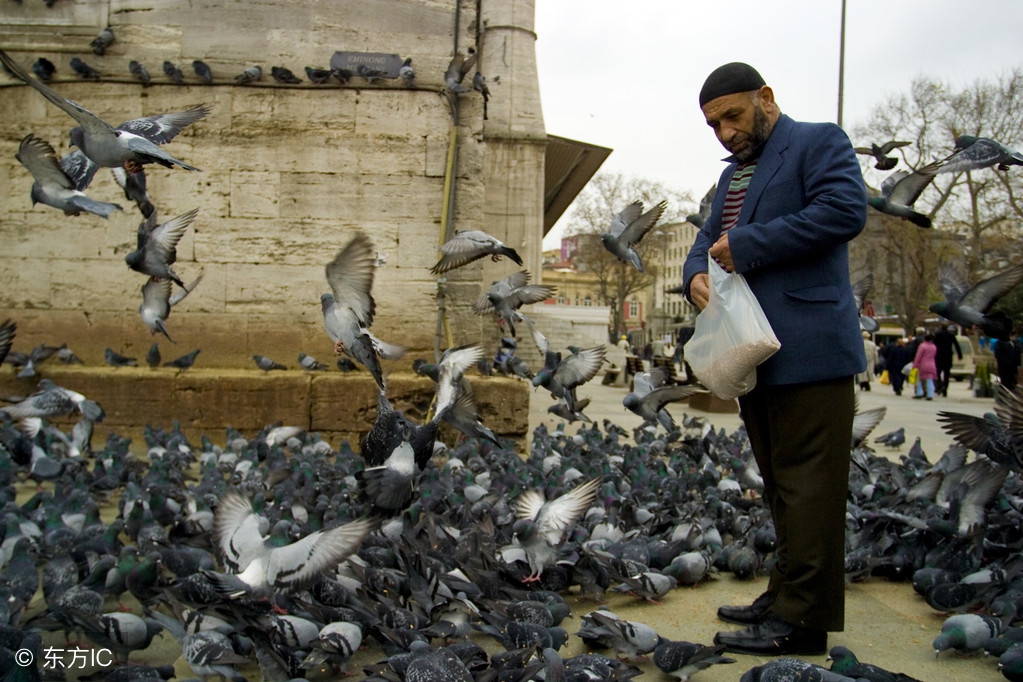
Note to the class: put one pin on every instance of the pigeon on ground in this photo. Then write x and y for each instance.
(139, 72)
(131, 144)
(158, 300)
(893, 439)
(318, 76)
(458, 67)
(543, 524)
(700, 217)
(627, 229)
(284, 75)
(684, 659)
(790, 669)
(251, 74)
(115, 359)
(970, 306)
(266, 364)
(102, 41)
(880, 153)
(966, 632)
(507, 295)
(209, 653)
(844, 662)
(650, 396)
(335, 643)
(44, 69)
(349, 309)
(202, 70)
(121, 633)
(156, 246)
(470, 245)
(629, 639)
(972, 153)
(310, 363)
(184, 362)
(406, 73)
(899, 192)
(259, 566)
(171, 70)
(52, 186)
(84, 71)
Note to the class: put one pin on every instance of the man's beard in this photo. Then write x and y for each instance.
(756, 138)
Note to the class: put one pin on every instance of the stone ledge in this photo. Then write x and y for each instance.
(207, 401)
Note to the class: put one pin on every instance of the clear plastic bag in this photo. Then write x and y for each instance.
(732, 336)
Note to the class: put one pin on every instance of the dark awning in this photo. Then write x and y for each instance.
(569, 166)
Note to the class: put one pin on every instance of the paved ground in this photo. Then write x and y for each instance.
(886, 623)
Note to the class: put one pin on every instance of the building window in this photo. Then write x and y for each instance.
(633, 308)
(587, 301)
(562, 300)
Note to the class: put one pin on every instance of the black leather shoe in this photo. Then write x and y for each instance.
(748, 615)
(774, 637)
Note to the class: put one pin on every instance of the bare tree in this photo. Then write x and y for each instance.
(977, 215)
(604, 196)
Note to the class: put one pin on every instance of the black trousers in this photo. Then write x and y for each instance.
(801, 435)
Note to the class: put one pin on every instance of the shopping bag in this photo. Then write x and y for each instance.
(914, 374)
(906, 369)
(883, 379)
(732, 336)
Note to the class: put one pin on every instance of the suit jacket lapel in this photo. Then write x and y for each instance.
(768, 164)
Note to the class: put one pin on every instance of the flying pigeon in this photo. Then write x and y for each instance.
(880, 153)
(134, 186)
(972, 153)
(479, 84)
(156, 248)
(627, 228)
(202, 70)
(52, 186)
(969, 306)
(651, 395)
(900, 190)
(845, 662)
(700, 217)
(102, 41)
(259, 566)
(131, 144)
(52, 400)
(459, 66)
(1001, 438)
(251, 74)
(861, 289)
(139, 72)
(158, 300)
(171, 70)
(266, 364)
(561, 375)
(284, 75)
(507, 295)
(406, 73)
(44, 69)
(81, 68)
(543, 524)
(470, 245)
(349, 309)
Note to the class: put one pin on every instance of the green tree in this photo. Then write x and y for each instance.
(606, 195)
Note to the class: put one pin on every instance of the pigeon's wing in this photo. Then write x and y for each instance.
(156, 293)
(644, 382)
(38, 157)
(531, 293)
(983, 481)
(707, 201)
(578, 368)
(887, 147)
(463, 248)
(164, 239)
(906, 190)
(952, 283)
(350, 276)
(542, 344)
(83, 116)
(558, 515)
(528, 504)
(659, 397)
(79, 168)
(861, 288)
(7, 331)
(981, 154)
(976, 433)
(178, 295)
(865, 422)
(641, 225)
(986, 293)
(163, 128)
(483, 305)
(500, 289)
(237, 530)
(626, 217)
(296, 565)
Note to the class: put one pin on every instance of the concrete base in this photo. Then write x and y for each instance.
(207, 401)
(708, 402)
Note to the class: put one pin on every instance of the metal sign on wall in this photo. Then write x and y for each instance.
(382, 65)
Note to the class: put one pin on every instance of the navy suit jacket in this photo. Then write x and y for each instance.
(805, 202)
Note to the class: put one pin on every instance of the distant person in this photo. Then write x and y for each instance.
(927, 370)
(1007, 360)
(899, 356)
(623, 344)
(684, 334)
(870, 350)
(945, 341)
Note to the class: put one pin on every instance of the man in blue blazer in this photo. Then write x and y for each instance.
(786, 207)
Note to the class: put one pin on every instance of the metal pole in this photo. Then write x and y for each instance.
(841, 66)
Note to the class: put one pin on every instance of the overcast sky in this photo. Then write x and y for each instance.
(627, 75)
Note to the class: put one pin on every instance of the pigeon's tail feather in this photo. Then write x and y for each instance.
(91, 410)
(511, 253)
(100, 208)
(918, 219)
(388, 351)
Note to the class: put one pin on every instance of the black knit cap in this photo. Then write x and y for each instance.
(728, 80)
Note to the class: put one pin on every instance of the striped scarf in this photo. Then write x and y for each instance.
(736, 193)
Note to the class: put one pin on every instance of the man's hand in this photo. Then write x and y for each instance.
(699, 290)
(722, 253)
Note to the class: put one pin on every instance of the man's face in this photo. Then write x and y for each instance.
(740, 123)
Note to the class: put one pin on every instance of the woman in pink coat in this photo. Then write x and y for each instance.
(926, 366)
